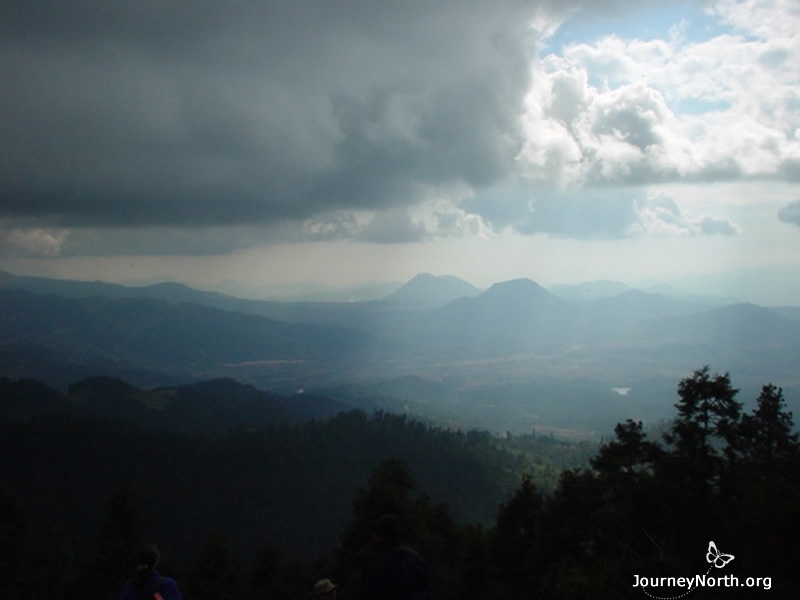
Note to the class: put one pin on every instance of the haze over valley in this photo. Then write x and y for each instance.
(608, 193)
(574, 360)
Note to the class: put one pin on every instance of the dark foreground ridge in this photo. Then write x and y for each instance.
(267, 510)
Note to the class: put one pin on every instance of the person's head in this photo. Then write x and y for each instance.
(147, 560)
(149, 556)
(325, 589)
(386, 530)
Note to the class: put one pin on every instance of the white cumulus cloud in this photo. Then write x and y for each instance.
(643, 111)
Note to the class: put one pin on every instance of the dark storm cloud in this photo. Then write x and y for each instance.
(393, 227)
(153, 113)
(790, 213)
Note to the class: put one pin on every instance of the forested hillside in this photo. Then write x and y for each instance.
(265, 511)
(209, 406)
(225, 457)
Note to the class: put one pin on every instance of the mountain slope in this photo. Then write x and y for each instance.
(166, 291)
(589, 291)
(215, 405)
(622, 315)
(744, 325)
(428, 291)
(149, 334)
(510, 317)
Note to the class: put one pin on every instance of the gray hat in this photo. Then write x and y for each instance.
(324, 586)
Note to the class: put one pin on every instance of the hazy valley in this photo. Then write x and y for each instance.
(514, 357)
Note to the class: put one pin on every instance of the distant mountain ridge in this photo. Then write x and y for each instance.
(589, 290)
(520, 293)
(508, 318)
(428, 291)
(166, 291)
(439, 328)
(155, 336)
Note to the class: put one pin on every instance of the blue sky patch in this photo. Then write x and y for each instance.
(644, 24)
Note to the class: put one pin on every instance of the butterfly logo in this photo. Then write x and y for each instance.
(717, 558)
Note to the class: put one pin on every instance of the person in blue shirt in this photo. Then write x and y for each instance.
(146, 583)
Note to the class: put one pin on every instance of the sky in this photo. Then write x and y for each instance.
(348, 141)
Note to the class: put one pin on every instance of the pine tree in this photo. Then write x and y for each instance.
(767, 432)
(122, 535)
(517, 539)
(707, 427)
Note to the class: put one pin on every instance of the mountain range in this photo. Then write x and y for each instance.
(524, 356)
